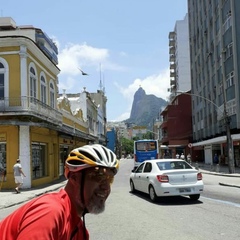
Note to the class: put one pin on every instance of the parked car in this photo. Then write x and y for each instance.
(167, 177)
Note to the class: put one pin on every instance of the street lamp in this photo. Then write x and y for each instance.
(228, 130)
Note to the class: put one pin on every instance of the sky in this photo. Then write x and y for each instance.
(121, 45)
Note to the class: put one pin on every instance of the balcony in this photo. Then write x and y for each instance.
(172, 58)
(172, 43)
(172, 74)
(172, 50)
(44, 37)
(172, 35)
(173, 66)
(29, 106)
(52, 56)
(172, 82)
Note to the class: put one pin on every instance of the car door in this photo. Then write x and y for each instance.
(145, 176)
(138, 177)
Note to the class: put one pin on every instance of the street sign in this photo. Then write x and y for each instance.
(190, 145)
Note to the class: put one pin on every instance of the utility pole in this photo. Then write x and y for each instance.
(231, 166)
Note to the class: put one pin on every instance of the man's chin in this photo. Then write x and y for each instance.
(96, 209)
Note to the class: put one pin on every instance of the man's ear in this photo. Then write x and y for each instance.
(74, 177)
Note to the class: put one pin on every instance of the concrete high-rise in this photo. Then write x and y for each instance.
(214, 35)
(179, 57)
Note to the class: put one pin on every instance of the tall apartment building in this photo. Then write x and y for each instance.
(179, 57)
(214, 52)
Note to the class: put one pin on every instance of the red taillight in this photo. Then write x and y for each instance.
(199, 176)
(162, 178)
(135, 157)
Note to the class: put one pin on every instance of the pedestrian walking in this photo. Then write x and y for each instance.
(18, 175)
(182, 156)
(177, 156)
(90, 171)
(215, 159)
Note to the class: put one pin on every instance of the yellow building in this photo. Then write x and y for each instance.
(33, 126)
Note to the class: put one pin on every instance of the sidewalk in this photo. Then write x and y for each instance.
(9, 198)
(227, 179)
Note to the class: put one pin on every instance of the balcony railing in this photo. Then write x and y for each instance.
(29, 106)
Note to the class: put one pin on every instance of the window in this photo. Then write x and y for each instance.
(140, 168)
(228, 22)
(230, 79)
(33, 84)
(52, 95)
(43, 90)
(147, 168)
(2, 71)
(39, 162)
(229, 51)
(3, 163)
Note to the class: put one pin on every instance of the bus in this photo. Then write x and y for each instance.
(146, 149)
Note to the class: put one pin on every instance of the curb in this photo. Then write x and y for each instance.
(236, 175)
(229, 185)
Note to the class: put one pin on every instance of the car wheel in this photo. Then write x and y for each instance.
(132, 186)
(152, 194)
(194, 197)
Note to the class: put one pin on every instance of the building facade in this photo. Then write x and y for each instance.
(214, 35)
(36, 125)
(179, 57)
(176, 127)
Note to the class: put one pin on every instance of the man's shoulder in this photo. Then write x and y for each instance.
(55, 203)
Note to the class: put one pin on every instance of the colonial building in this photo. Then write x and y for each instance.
(35, 125)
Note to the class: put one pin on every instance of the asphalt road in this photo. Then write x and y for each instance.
(133, 217)
(215, 191)
(130, 216)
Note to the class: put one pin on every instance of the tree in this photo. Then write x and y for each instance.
(127, 145)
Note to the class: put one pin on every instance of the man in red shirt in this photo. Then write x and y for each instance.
(90, 171)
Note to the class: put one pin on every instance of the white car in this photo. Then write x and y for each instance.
(167, 177)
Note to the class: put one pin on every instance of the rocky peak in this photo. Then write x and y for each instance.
(145, 108)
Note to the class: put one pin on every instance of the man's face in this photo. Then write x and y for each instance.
(97, 188)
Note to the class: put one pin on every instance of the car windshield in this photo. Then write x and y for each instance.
(173, 165)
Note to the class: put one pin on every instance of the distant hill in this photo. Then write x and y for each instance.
(145, 109)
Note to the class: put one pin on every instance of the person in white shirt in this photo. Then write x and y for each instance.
(18, 175)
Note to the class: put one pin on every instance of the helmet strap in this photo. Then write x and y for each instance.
(82, 192)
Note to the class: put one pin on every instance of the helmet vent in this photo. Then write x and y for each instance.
(88, 155)
(75, 162)
(112, 157)
(99, 155)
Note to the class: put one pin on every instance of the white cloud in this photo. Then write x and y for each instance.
(74, 56)
(154, 84)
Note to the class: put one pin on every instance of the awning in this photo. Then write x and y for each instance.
(217, 140)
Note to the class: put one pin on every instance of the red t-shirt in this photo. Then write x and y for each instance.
(48, 217)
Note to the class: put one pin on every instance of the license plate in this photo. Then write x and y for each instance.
(183, 190)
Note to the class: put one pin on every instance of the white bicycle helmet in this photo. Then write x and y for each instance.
(90, 156)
